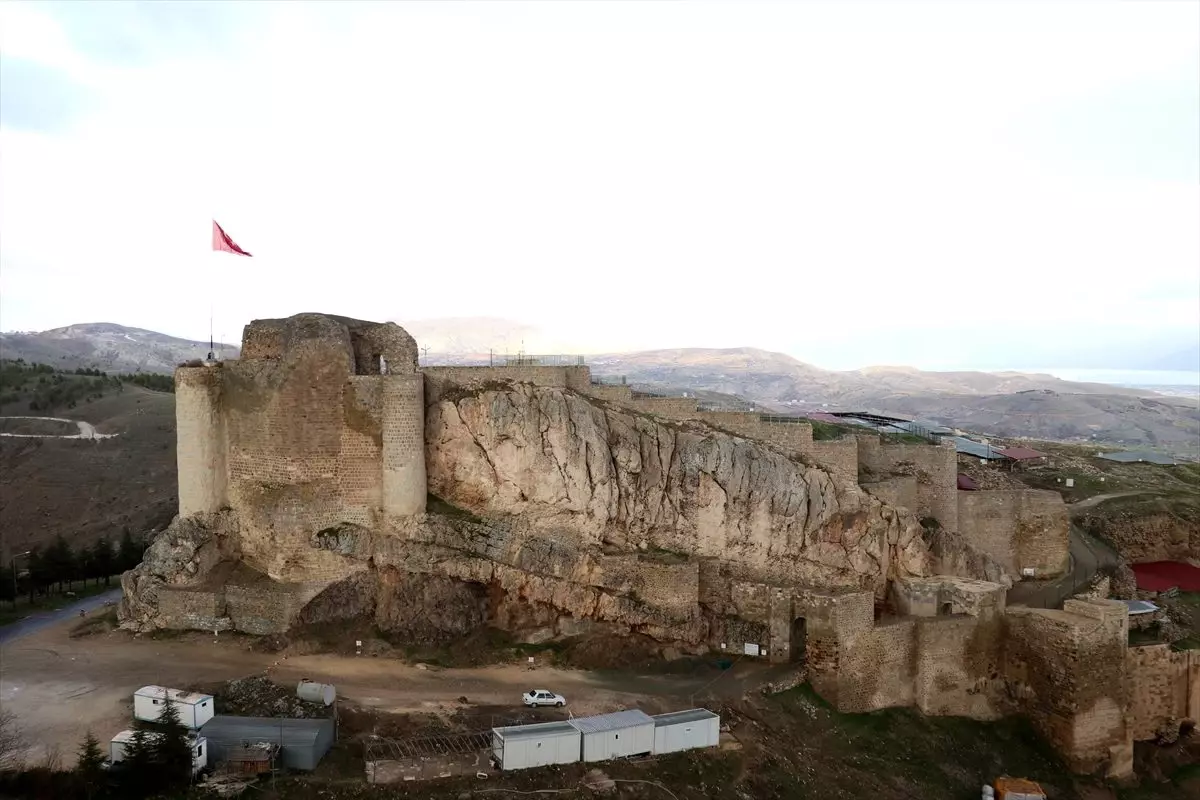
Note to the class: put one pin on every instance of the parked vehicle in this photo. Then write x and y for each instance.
(543, 697)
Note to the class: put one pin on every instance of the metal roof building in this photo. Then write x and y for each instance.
(977, 449)
(616, 735)
(685, 730)
(536, 745)
(1139, 607)
(302, 742)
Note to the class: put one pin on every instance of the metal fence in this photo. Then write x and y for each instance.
(609, 380)
(443, 743)
(531, 360)
(424, 746)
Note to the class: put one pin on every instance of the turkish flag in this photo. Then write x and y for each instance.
(221, 241)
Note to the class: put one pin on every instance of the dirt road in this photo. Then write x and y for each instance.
(1091, 502)
(61, 687)
(86, 430)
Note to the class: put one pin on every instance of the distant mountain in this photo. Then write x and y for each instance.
(779, 379)
(1008, 404)
(107, 346)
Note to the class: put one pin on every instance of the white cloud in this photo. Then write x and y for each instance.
(641, 174)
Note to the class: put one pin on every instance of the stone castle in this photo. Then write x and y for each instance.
(324, 475)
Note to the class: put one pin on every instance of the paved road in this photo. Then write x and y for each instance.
(40, 620)
(1088, 556)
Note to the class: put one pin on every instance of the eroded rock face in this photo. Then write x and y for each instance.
(182, 555)
(605, 478)
(564, 516)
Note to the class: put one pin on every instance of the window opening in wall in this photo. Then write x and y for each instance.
(382, 362)
(946, 610)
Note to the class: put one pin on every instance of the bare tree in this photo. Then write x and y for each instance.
(12, 742)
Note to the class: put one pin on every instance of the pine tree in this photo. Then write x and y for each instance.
(91, 767)
(172, 748)
(103, 560)
(138, 774)
(129, 554)
(60, 562)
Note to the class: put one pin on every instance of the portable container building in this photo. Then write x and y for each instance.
(536, 745)
(302, 742)
(119, 743)
(616, 735)
(686, 730)
(194, 709)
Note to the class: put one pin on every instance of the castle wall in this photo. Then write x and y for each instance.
(877, 668)
(193, 609)
(899, 491)
(575, 377)
(1067, 671)
(665, 407)
(944, 595)
(403, 412)
(1023, 528)
(200, 437)
(958, 665)
(839, 456)
(935, 468)
(1164, 688)
(618, 394)
(672, 586)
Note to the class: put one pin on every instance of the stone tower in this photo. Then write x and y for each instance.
(319, 423)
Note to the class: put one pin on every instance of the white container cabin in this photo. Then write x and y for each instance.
(616, 735)
(686, 730)
(119, 743)
(536, 745)
(194, 709)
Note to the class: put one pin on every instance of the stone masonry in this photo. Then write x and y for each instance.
(304, 472)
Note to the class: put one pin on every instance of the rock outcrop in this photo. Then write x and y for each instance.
(557, 514)
(606, 479)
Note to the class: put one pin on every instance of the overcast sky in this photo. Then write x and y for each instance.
(945, 184)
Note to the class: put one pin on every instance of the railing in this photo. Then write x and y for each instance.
(609, 380)
(531, 360)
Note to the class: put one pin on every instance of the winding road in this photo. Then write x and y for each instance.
(40, 620)
(86, 430)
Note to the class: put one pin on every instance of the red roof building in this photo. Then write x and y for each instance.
(1020, 453)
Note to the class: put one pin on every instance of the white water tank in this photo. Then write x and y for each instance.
(316, 692)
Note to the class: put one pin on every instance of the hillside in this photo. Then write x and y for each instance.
(998, 404)
(106, 346)
(81, 488)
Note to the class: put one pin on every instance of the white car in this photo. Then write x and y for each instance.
(542, 697)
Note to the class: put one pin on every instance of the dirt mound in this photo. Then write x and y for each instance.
(262, 697)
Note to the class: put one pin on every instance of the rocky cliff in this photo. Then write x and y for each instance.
(552, 512)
